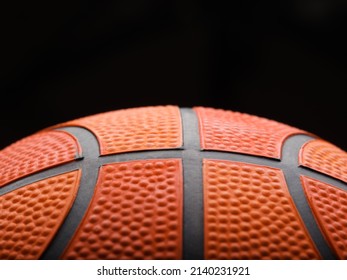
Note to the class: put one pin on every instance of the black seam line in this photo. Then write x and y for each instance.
(193, 224)
(193, 212)
(137, 155)
(173, 153)
(189, 150)
(41, 175)
(324, 178)
(291, 170)
(90, 170)
(178, 153)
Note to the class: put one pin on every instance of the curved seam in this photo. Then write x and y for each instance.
(290, 164)
(90, 169)
(191, 155)
(323, 177)
(40, 175)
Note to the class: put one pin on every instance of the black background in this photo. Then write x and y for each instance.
(284, 60)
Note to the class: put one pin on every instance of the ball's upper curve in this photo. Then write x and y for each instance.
(163, 182)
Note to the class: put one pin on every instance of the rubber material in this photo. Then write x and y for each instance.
(249, 214)
(190, 153)
(329, 205)
(139, 129)
(324, 157)
(90, 168)
(292, 172)
(193, 227)
(35, 153)
(135, 213)
(32, 215)
(242, 133)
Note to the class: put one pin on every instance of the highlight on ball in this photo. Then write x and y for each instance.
(165, 182)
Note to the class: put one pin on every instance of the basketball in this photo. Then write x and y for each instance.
(165, 182)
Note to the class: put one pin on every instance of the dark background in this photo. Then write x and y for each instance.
(284, 60)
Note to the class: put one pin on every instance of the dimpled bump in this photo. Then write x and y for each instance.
(35, 153)
(324, 157)
(249, 214)
(329, 205)
(135, 129)
(242, 133)
(136, 213)
(30, 216)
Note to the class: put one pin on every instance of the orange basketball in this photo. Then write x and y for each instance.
(173, 183)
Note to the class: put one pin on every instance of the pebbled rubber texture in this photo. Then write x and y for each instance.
(329, 204)
(35, 153)
(222, 130)
(30, 216)
(324, 157)
(249, 214)
(136, 213)
(172, 183)
(128, 130)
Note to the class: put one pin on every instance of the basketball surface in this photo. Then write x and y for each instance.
(165, 182)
